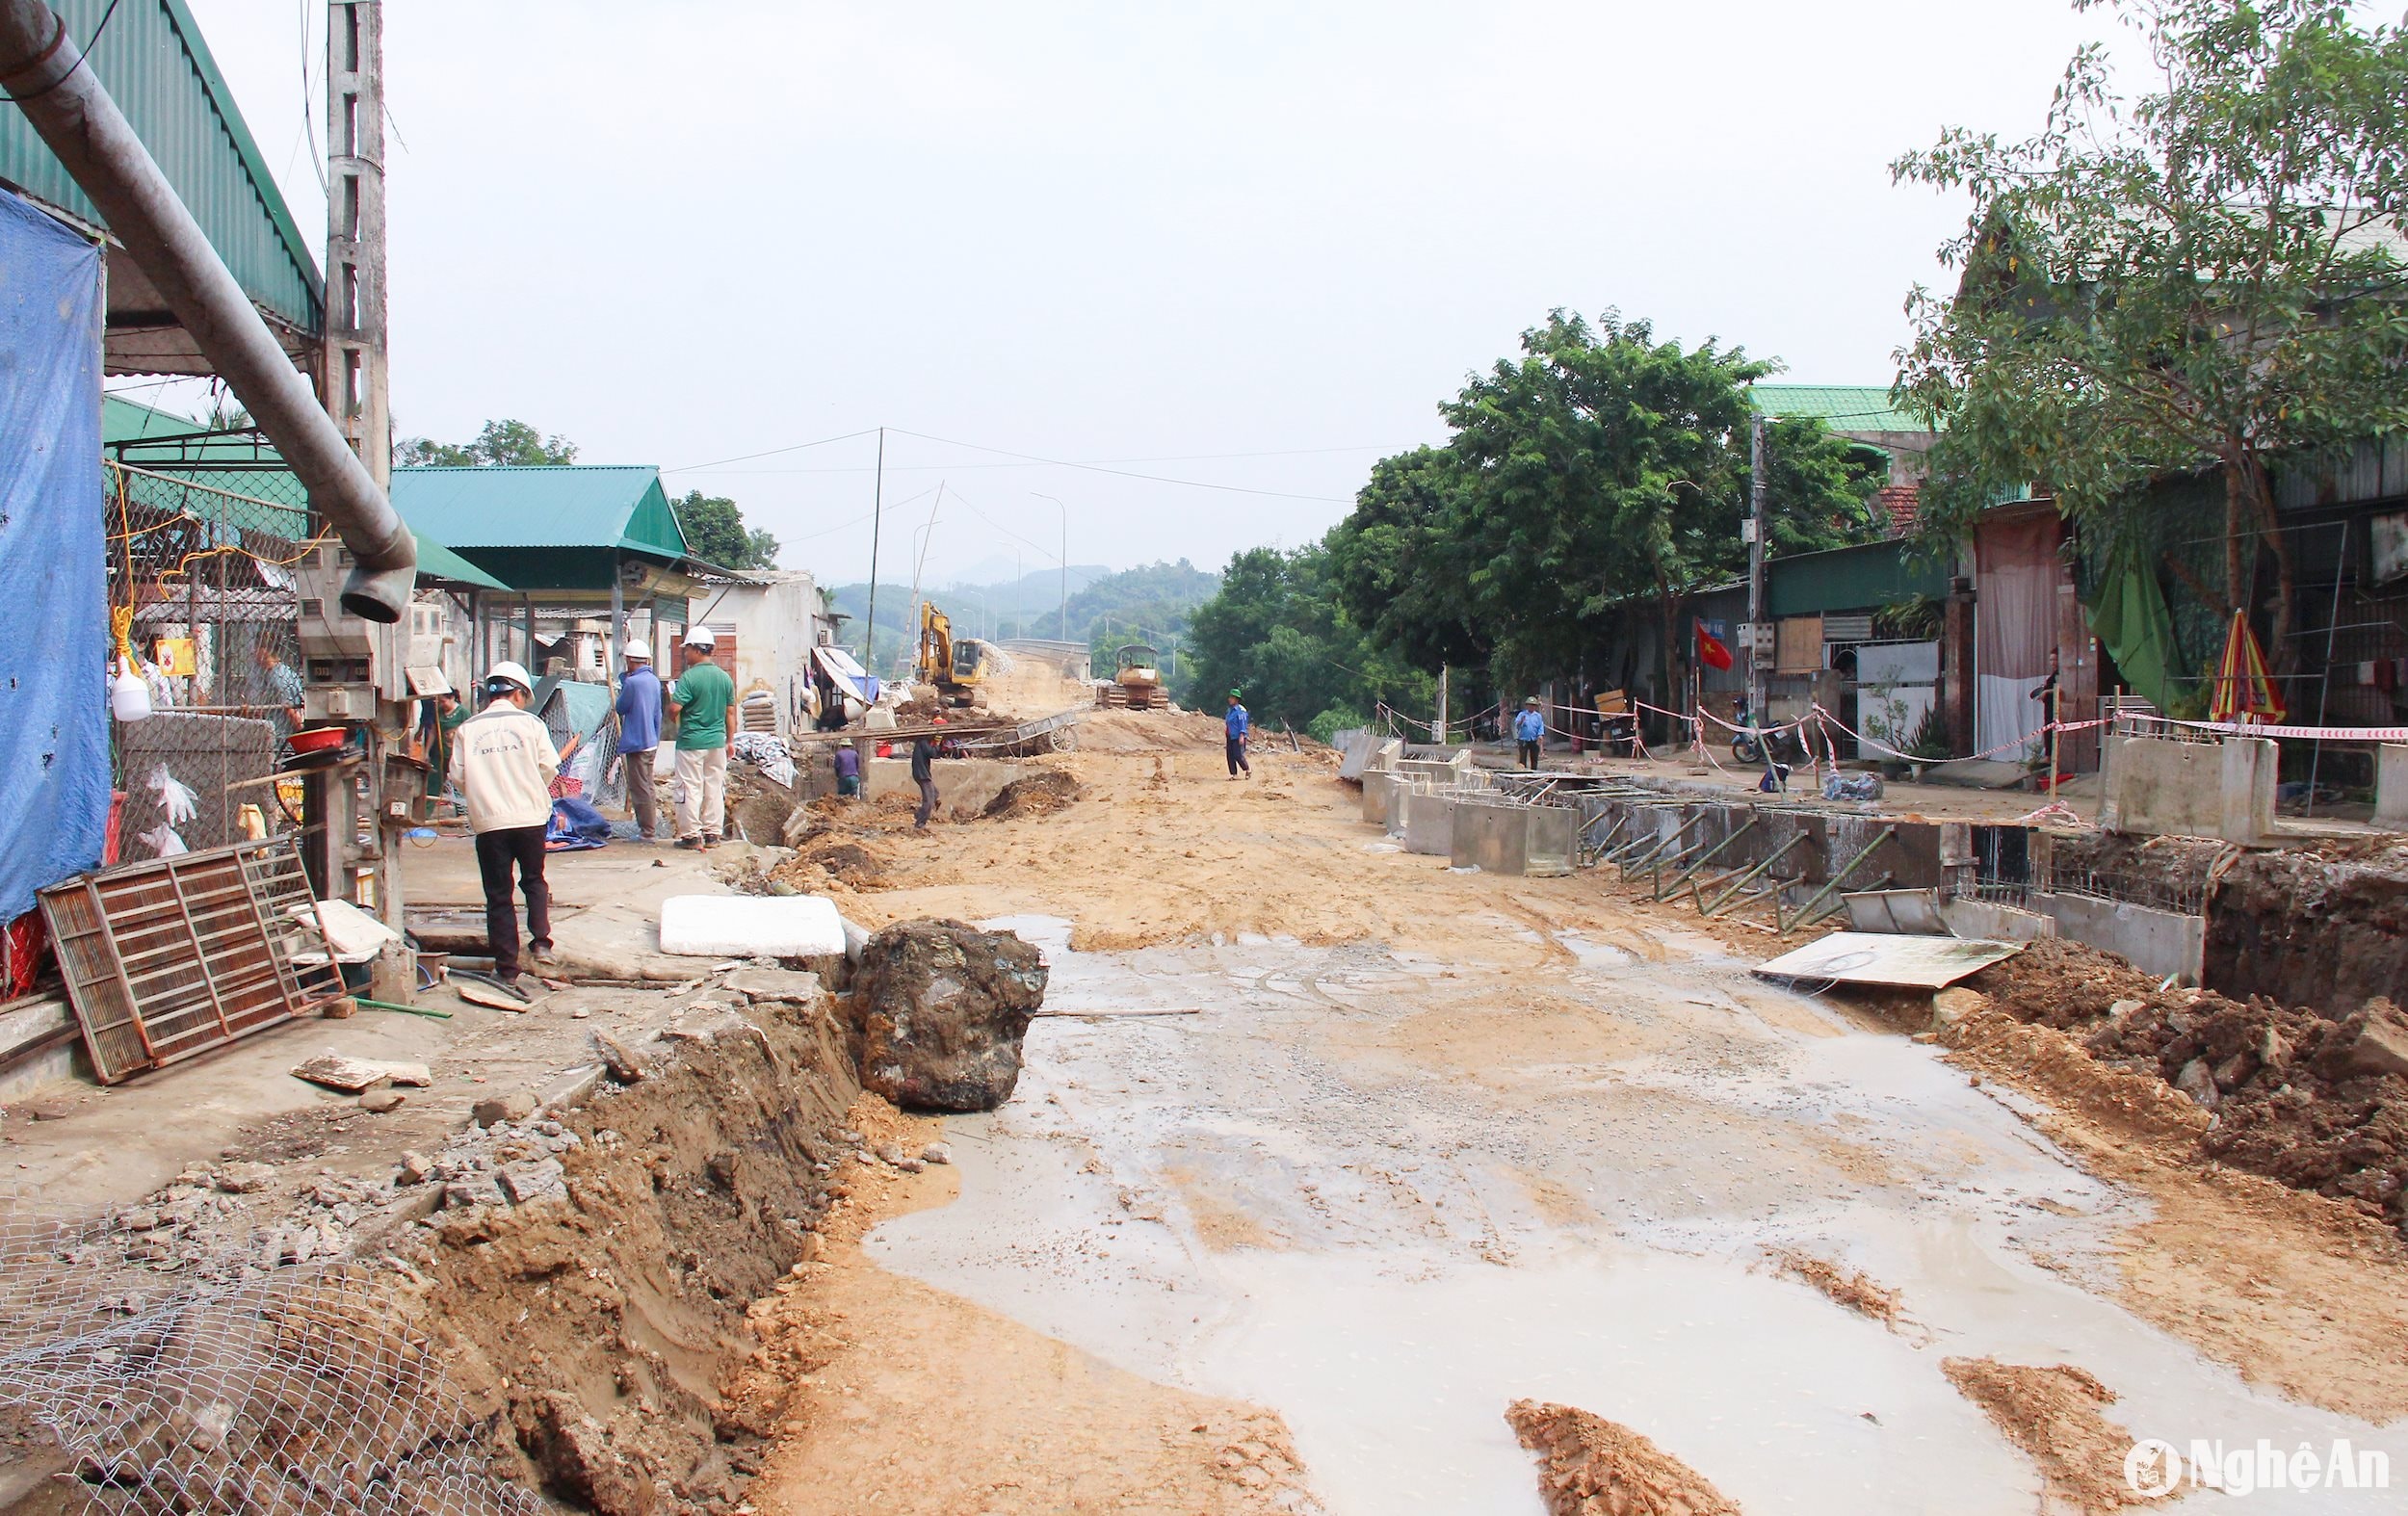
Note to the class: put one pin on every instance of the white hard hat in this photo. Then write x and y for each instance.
(639, 649)
(700, 636)
(507, 669)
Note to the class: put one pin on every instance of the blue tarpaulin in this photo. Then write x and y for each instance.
(54, 713)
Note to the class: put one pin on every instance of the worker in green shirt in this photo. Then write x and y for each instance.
(704, 702)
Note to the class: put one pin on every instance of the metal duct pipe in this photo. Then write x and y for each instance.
(42, 70)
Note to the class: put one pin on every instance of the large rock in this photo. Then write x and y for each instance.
(2375, 1039)
(937, 1012)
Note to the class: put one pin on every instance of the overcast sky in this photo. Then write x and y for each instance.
(1245, 245)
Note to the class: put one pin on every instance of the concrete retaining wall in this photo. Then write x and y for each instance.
(2391, 785)
(2159, 787)
(2157, 942)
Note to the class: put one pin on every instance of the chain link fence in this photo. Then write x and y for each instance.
(176, 1377)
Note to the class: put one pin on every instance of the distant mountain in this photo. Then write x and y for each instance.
(1149, 602)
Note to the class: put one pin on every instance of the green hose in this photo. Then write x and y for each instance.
(365, 1004)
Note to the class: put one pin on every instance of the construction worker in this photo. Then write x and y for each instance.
(505, 763)
(704, 700)
(923, 774)
(848, 765)
(1530, 730)
(1237, 724)
(639, 733)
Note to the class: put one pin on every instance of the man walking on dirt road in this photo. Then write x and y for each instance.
(506, 765)
(1238, 724)
(923, 774)
(705, 703)
(1529, 729)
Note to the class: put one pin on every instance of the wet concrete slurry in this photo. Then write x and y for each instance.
(1385, 1197)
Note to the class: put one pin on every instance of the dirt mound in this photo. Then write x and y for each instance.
(1040, 793)
(2053, 1414)
(939, 1009)
(2315, 1102)
(1858, 1291)
(1148, 732)
(2058, 1064)
(2060, 983)
(601, 1328)
(1590, 1466)
(757, 805)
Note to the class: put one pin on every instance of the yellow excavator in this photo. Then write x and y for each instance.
(956, 667)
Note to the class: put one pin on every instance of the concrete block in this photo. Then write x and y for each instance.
(1379, 788)
(1429, 822)
(2391, 785)
(1500, 837)
(2159, 787)
(2159, 942)
(751, 927)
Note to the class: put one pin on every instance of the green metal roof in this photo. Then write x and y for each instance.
(438, 562)
(568, 505)
(154, 63)
(1842, 408)
(245, 465)
(1862, 578)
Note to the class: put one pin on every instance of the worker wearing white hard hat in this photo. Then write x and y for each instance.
(506, 763)
(704, 702)
(640, 735)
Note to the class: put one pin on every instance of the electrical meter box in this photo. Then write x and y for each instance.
(349, 663)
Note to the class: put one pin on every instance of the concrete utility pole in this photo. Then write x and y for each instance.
(1758, 496)
(1441, 736)
(353, 382)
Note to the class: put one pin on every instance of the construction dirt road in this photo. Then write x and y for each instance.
(1325, 1156)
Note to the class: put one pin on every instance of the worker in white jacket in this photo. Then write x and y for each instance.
(505, 762)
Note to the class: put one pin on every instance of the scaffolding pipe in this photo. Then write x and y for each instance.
(1808, 906)
(1697, 894)
(43, 71)
(1653, 847)
(1682, 877)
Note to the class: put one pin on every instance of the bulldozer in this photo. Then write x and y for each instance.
(1138, 684)
(956, 666)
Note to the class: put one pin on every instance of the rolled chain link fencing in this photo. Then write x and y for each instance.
(230, 1384)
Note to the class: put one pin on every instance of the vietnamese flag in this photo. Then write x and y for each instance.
(1710, 649)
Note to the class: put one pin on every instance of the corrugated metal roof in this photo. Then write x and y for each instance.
(573, 504)
(154, 63)
(440, 562)
(1864, 577)
(1842, 408)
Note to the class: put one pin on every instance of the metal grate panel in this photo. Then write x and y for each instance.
(174, 957)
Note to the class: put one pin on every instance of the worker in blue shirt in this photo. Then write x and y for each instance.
(1529, 729)
(1238, 723)
(639, 707)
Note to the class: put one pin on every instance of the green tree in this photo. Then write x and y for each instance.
(1401, 561)
(716, 533)
(2204, 279)
(1601, 469)
(1276, 632)
(498, 444)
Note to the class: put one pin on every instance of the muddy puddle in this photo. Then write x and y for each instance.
(1384, 1196)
